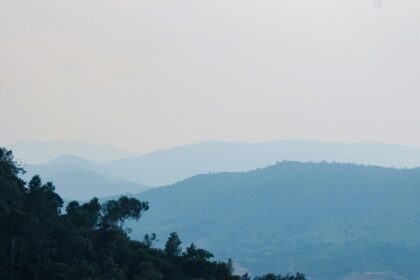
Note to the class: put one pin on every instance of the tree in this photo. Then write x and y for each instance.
(115, 213)
(173, 245)
(194, 254)
(9, 168)
(149, 239)
(85, 216)
(12, 212)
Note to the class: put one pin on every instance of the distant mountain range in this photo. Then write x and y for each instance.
(171, 165)
(332, 221)
(38, 152)
(85, 184)
(76, 178)
(168, 166)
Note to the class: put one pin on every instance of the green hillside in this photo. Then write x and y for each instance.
(329, 220)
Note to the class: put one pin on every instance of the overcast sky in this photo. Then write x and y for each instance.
(144, 75)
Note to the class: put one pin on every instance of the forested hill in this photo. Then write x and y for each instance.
(89, 241)
(329, 220)
(76, 177)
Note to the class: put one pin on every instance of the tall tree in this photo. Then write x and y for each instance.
(173, 245)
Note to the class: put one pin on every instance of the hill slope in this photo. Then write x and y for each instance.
(329, 220)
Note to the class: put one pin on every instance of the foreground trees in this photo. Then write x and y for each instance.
(88, 241)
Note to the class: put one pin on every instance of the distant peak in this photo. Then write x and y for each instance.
(69, 159)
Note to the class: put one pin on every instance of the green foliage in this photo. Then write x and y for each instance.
(88, 241)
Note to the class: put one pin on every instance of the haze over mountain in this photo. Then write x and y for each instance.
(171, 165)
(85, 184)
(159, 73)
(76, 178)
(36, 152)
(329, 220)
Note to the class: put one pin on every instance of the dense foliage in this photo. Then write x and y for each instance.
(38, 240)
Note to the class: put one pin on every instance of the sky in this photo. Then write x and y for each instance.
(145, 75)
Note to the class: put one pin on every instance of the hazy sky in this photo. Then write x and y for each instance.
(149, 74)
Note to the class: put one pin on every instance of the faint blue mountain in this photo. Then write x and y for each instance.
(35, 152)
(85, 184)
(168, 166)
(78, 178)
(171, 165)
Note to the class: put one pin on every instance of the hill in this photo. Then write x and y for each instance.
(84, 184)
(171, 165)
(329, 220)
(79, 179)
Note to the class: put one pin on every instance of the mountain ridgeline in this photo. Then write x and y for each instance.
(328, 220)
(38, 240)
(37, 152)
(72, 173)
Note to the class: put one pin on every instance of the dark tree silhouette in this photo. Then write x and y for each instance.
(115, 213)
(173, 245)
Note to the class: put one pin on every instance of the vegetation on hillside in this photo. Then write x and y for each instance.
(326, 219)
(41, 240)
